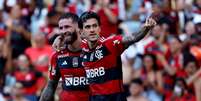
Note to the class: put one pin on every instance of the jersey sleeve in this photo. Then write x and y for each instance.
(54, 73)
(116, 43)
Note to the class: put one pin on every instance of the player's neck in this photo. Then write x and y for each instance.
(75, 46)
(92, 44)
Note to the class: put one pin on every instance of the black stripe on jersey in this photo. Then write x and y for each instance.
(110, 74)
(74, 88)
(110, 97)
(69, 62)
(95, 55)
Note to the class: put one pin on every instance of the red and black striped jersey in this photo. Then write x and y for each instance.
(103, 66)
(68, 66)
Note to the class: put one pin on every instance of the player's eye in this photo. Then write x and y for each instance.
(66, 26)
(95, 25)
(87, 27)
(60, 27)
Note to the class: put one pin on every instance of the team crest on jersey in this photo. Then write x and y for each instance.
(99, 54)
(75, 61)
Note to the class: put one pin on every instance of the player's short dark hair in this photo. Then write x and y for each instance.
(69, 15)
(88, 15)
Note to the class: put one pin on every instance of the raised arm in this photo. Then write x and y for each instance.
(58, 44)
(49, 91)
(135, 37)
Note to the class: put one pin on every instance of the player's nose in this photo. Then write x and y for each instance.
(92, 30)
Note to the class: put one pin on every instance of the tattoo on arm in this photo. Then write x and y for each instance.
(49, 91)
(135, 37)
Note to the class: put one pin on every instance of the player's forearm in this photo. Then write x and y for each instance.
(135, 37)
(49, 91)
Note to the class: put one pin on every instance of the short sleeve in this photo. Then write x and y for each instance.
(117, 44)
(54, 73)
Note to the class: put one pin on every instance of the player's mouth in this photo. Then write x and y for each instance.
(92, 35)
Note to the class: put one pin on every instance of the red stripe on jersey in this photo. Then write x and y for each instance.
(73, 96)
(74, 71)
(109, 87)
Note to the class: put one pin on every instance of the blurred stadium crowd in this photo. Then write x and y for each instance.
(164, 66)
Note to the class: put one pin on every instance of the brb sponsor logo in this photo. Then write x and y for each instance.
(97, 72)
(75, 81)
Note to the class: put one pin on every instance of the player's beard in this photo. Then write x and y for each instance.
(73, 37)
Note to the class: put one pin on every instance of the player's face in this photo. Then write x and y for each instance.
(68, 29)
(91, 29)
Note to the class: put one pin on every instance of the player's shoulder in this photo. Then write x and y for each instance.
(113, 38)
(104, 39)
(54, 54)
